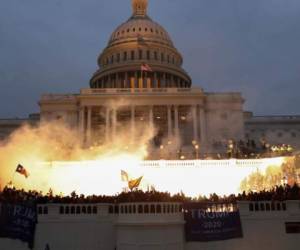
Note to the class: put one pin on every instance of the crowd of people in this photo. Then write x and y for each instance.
(226, 149)
(250, 149)
(278, 193)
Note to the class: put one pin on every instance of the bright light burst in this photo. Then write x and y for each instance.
(53, 156)
(193, 178)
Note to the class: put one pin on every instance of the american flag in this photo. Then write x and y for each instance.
(146, 67)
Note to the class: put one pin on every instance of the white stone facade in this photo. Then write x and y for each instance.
(188, 115)
(274, 129)
(154, 226)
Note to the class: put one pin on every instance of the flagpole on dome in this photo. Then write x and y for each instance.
(142, 76)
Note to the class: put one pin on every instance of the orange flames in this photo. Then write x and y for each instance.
(52, 154)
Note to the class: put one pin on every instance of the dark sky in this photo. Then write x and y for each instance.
(252, 46)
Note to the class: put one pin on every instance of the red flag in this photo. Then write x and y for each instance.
(146, 67)
(21, 170)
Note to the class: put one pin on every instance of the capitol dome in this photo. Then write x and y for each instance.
(140, 54)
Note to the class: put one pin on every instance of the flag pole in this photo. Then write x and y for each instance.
(12, 178)
(142, 77)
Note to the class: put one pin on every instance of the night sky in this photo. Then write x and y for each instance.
(252, 46)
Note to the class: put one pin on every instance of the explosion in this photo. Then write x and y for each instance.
(53, 155)
(37, 149)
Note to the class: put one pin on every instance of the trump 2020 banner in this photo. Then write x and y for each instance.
(18, 221)
(212, 221)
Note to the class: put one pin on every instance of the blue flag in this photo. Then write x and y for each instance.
(18, 221)
(212, 221)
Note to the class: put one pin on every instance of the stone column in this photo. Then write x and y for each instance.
(82, 122)
(148, 81)
(114, 123)
(117, 82)
(89, 125)
(165, 80)
(155, 83)
(203, 126)
(176, 121)
(107, 135)
(136, 80)
(169, 122)
(132, 124)
(195, 123)
(151, 122)
(126, 80)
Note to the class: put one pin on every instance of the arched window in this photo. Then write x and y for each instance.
(89, 210)
(72, 210)
(140, 209)
(251, 207)
(78, 210)
(146, 209)
(61, 210)
(116, 209)
(95, 209)
(158, 209)
(152, 209)
(45, 210)
(132, 55)
(40, 210)
(164, 209)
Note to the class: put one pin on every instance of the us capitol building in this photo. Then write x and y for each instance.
(141, 85)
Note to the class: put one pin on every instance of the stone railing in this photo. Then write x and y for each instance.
(58, 97)
(150, 213)
(255, 163)
(137, 91)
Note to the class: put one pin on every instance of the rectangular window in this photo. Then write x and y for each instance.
(125, 56)
(112, 59)
(132, 55)
(292, 227)
(140, 54)
(155, 55)
(118, 57)
(162, 57)
(148, 55)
